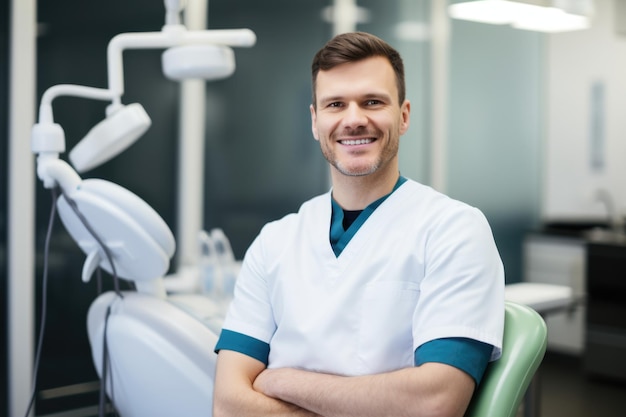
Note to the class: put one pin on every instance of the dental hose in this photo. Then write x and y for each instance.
(44, 296)
(44, 293)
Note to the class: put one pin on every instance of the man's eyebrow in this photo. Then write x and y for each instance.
(368, 96)
(381, 95)
(330, 99)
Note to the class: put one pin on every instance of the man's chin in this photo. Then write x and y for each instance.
(357, 171)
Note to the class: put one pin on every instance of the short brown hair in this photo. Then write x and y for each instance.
(352, 47)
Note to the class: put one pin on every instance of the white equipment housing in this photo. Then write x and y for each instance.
(160, 352)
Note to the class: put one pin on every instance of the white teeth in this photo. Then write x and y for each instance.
(356, 142)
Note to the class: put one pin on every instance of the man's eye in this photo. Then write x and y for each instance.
(335, 104)
(372, 102)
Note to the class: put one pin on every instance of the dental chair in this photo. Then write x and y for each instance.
(160, 359)
(506, 380)
(153, 351)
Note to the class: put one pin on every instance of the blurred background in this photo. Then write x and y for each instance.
(524, 125)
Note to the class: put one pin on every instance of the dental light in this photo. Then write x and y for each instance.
(549, 16)
(139, 240)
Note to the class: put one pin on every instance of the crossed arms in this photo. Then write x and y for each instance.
(244, 387)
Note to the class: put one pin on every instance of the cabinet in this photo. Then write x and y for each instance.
(559, 260)
(606, 310)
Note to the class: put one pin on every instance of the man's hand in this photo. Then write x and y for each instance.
(268, 380)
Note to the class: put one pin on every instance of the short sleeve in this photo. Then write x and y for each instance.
(250, 311)
(470, 356)
(242, 343)
(462, 292)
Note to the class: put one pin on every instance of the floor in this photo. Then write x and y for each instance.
(567, 392)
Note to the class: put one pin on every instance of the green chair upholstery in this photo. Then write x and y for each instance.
(506, 380)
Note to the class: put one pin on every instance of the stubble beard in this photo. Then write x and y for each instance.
(386, 155)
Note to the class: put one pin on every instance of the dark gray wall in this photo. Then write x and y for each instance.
(261, 159)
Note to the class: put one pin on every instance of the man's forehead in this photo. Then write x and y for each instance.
(369, 78)
(378, 61)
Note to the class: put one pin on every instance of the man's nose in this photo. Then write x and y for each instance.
(354, 116)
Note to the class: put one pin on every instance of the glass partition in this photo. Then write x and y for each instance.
(495, 129)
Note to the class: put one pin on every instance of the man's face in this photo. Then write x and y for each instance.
(358, 120)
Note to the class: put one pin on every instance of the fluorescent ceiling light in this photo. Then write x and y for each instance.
(538, 15)
(497, 12)
(552, 20)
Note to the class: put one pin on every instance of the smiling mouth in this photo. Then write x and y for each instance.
(352, 142)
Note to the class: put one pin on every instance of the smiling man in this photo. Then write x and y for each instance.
(381, 297)
(360, 117)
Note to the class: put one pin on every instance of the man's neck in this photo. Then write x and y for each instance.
(356, 193)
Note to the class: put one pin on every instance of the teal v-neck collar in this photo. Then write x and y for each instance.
(339, 238)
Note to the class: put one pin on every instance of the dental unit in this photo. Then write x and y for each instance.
(153, 357)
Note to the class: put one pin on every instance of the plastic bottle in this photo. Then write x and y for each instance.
(210, 273)
(228, 266)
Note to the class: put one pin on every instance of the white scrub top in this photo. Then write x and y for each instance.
(422, 267)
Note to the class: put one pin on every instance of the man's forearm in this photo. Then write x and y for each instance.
(431, 390)
(235, 396)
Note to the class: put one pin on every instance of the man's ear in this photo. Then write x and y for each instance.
(405, 115)
(314, 122)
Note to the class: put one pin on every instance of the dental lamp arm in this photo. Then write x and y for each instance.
(122, 127)
(48, 138)
(170, 36)
(45, 108)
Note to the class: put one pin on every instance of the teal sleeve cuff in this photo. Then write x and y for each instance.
(468, 355)
(242, 343)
